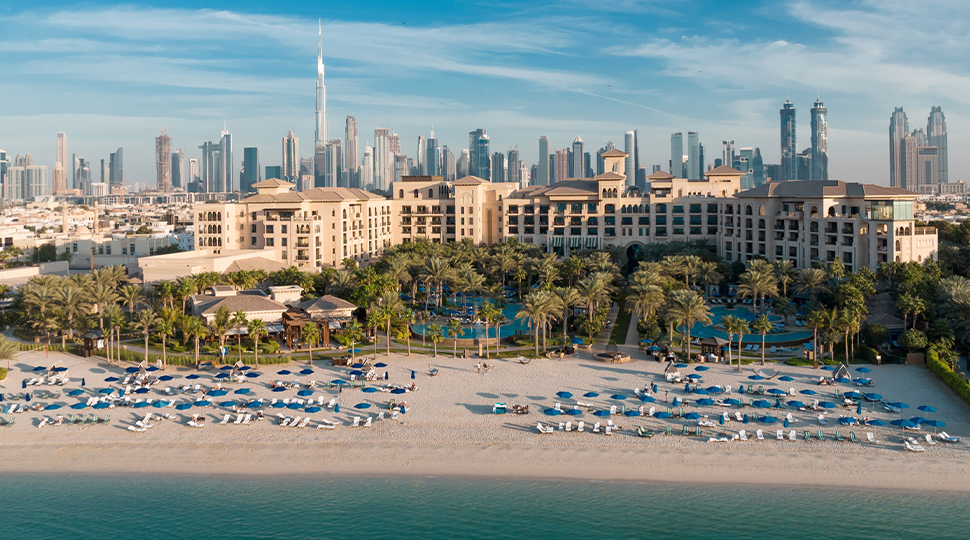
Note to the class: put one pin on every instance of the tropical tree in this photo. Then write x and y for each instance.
(407, 317)
(310, 335)
(688, 308)
(115, 318)
(422, 318)
(816, 321)
(144, 322)
(785, 307)
(735, 325)
(185, 288)
(166, 292)
(488, 312)
(536, 307)
(74, 305)
(565, 298)
(573, 268)
(644, 300)
(436, 272)
(257, 329)
(7, 351)
(454, 327)
(762, 325)
(811, 280)
(4, 293)
(220, 325)
(353, 333)
(164, 328)
(829, 319)
(131, 295)
(391, 305)
(196, 328)
(783, 269)
(521, 274)
(238, 320)
(101, 296)
(435, 334)
(375, 319)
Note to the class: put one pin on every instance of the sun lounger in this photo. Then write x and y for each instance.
(239, 419)
(596, 427)
(356, 422)
(569, 426)
(755, 347)
(808, 435)
(760, 434)
(870, 437)
(821, 436)
(913, 447)
(821, 419)
(225, 420)
(929, 439)
(306, 422)
(136, 428)
(543, 429)
(737, 416)
(943, 436)
(609, 430)
(610, 424)
(581, 427)
(780, 435)
(686, 431)
(332, 403)
(792, 436)
(838, 435)
(743, 435)
(246, 419)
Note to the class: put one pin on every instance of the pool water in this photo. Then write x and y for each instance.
(746, 313)
(510, 327)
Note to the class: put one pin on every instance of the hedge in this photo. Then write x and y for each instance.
(954, 380)
(3, 373)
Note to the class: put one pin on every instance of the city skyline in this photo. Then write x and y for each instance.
(515, 103)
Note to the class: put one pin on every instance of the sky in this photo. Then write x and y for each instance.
(114, 75)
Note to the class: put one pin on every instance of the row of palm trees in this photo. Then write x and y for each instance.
(549, 304)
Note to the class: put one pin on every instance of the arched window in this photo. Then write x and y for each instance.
(345, 214)
(747, 210)
(831, 211)
(814, 211)
(430, 193)
(761, 210)
(400, 194)
(219, 216)
(899, 245)
(604, 193)
(761, 224)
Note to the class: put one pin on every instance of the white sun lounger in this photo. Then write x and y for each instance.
(760, 434)
(929, 439)
(380, 415)
(792, 436)
(947, 438)
(612, 409)
(581, 427)
(246, 419)
(743, 435)
(737, 416)
(870, 437)
(821, 419)
(42, 423)
(370, 419)
(136, 428)
(356, 422)
(596, 427)
(226, 419)
(609, 430)
(333, 402)
(295, 422)
(913, 447)
(239, 419)
(562, 426)
(789, 418)
(780, 435)
(305, 422)
(569, 426)
(544, 429)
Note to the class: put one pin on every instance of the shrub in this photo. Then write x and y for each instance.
(3, 373)
(270, 347)
(955, 381)
(868, 354)
(913, 340)
(875, 334)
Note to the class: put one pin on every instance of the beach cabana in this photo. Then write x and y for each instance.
(713, 346)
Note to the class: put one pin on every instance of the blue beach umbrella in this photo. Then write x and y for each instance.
(618, 397)
(926, 408)
(767, 419)
(701, 391)
(141, 404)
(241, 391)
(338, 382)
(203, 403)
(918, 420)
(687, 388)
(218, 393)
(255, 404)
(860, 381)
(380, 364)
(841, 380)
(253, 375)
(369, 390)
(183, 406)
(647, 399)
(653, 348)
(28, 396)
(104, 391)
(245, 368)
(785, 378)
(902, 422)
(633, 412)
(732, 401)
(694, 377)
(227, 404)
(111, 379)
(761, 404)
(590, 394)
(193, 376)
(142, 390)
(934, 423)
(876, 422)
(132, 370)
(60, 369)
(873, 397)
(399, 391)
(574, 412)
(278, 405)
(756, 377)
(701, 368)
(826, 404)
(152, 368)
(677, 401)
(564, 395)
(741, 389)
(222, 375)
(706, 402)
(294, 406)
(553, 412)
(304, 393)
(846, 420)
(692, 416)
(226, 367)
(863, 370)
(828, 368)
(283, 372)
(362, 406)
(279, 389)
(166, 378)
(412, 373)
(852, 394)
(312, 409)
(776, 392)
(786, 423)
(858, 409)
(52, 407)
(745, 421)
(661, 415)
(715, 389)
(807, 392)
(601, 413)
(358, 365)
(40, 368)
(720, 419)
(356, 372)
(160, 404)
(796, 404)
(680, 366)
(306, 371)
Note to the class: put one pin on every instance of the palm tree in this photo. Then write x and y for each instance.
(310, 335)
(735, 325)
(195, 327)
(644, 300)
(691, 263)
(707, 273)
(815, 320)
(786, 308)
(40, 297)
(353, 332)
(536, 306)
(7, 351)
(132, 294)
(546, 268)
(757, 284)
(407, 317)
(144, 322)
(73, 304)
(164, 328)
(238, 320)
(688, 308)
(762, 325)
(437, 271)
(374, 320)
(565, 298)
(185, 288)
(454, 327)
(521, 274)
(487, 312)
(811, 280)
(115, 318)
(391, 305)
(573, 268)
(783, 269)
(257, 329)
(4, 293)
(830, 326)
(166, 292)
(422, 317)
(101, 296)
(846, 322)
(220, 324)
(594, 290)
(436, 334)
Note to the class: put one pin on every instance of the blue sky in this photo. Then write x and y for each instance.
(112, 75)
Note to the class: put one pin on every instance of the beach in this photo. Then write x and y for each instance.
(449, 429)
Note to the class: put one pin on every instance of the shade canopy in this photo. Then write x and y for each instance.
(590, 394)
(564, 395)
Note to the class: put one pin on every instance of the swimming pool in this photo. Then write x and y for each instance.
(510, 327)
(745, 312)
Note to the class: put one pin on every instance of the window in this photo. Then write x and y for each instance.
(610, 220)
(643, 220)
(712, 209)
(575, 231)
(283, 242)
(661, 209)
(712, 220)
(592, 221)
(678, 209)
(513, 209)
(269, 241)
(696, 230)
(661, 220)
(626, 220)
(591, 231)
(695, 220)
(661, 231)
(591, 208)
(678, 230)
(610, 209)
(283, 229)
(695, 209)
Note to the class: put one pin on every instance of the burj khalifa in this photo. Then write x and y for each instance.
(320, 135)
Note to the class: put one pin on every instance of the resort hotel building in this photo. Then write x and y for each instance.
(805, 222)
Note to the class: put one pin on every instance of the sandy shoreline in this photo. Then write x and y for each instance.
(449, 431)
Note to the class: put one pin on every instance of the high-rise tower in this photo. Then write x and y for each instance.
(789, 143)
(543, 179)
(820, 141)
(320, 135)
(677, 155)
(936, 136)
(351, 159)
(579, 171)
(291, 158)
(898, 130)
(693, 156)
(629, 146)
(163, 162)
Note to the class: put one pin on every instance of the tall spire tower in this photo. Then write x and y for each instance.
(320, 135)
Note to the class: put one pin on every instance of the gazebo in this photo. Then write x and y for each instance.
(93, 341)
(713, 345)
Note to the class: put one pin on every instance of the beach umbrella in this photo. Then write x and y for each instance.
(166, 378)
(403, 410)
(935, 423)
(183, 406)
(926, 408)
(807, 392)
(785, 378)
(795, 403)
(102, 391)
(695, 377)
(900, 405)
(241, 391)
(745, 419)
(203, 403)
(218, 393)
(687, 388)
(160, 404)
(278, 405)
(193, 376)
(767, 419)
(618, 397)
(23, 383)
(306, 371)
(863, 370)
(28, 396)
(761, 404)
(564, 395)
(876, 422)
(779, 404)
(653, 348)
(705, 402)
(701, 368)
(721, 419)
(677, 402)
(918, 420)
(701, 391)
(786, 423)
(647, 399)
(846, 420)
(369, 390)
(253, 375)
(111, 379)
(828, 368)
(741, 389)
(826, 404)
(356, 372)
(338, 382)
(680, 366)
(152, 368)
(590, 394)
(39, 368)
(380, 364)
(283, 372)
(226, 367)
(902, 422)
(312, 409)
(860, 381)
(715, 389)
(756, 377)
(574, 412)
(732, 401)
(52, 406)
(294, 406)
(776, 392)
(692, 416)
(141, 404)
(304, 393)
(873, 397)
(661, 415)
(255, 404)
(412, 373)
(399, 391)
(841, 380)
(222, 375)
(245, 368)
(554, 412)
(60, 369)
(358, 365)
(362, 406)
(633, 412)
(279, 389)
(142, 390)
(601, 413)
(858, 409)
(132, 370)
(852, 394)
(79, 405)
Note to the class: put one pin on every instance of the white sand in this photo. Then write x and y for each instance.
(449, 430)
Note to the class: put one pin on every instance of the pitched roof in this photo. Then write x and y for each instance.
(569, 187)
(661, 175)
(255, 263)
(332, 194)
(327, 303)
(610, 175)
(245, 303)
(724, 170)
(273, 182)
(470, 181)
(614, 153)
(824, 188)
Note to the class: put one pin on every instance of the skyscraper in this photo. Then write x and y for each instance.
(367, 169)
(448, 163)
(116, 164)
(3, 175)
(422, 154)
(334, 164)
(514, 166)
(195, 177)
(432, 157)
(462, 164)
(700, 160)
(498, 167)
(217, 165)
(630, 160)
(543, 179)
(789, 143)
(579, 169)
(820, 142)
(320, 134)
(291, 158)
(562, 165)
(936, 136)
(693, 156)
(383, 160)
(898, 130)
(677, 155)
(351, 157)
(163, 162)
(727, 153)
(178, 168)
(249, 174)
(478, 164)
(59, 175)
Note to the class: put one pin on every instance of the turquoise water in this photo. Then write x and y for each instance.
(744, 312)
(107, 508)
(512, 326)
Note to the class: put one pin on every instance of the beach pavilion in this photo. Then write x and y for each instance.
(328, 312)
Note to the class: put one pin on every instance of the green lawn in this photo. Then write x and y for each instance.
(621, 327)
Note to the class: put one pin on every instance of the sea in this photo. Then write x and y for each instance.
(148, 508)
